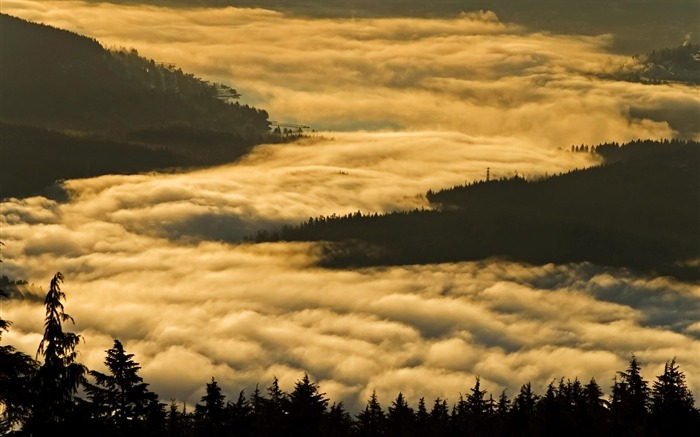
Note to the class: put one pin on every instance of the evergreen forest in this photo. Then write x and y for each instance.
(71, 108)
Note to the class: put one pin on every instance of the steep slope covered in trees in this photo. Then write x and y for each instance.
(62, 88)
(639, 210)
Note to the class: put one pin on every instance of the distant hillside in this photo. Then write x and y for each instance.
(639, 210)
(33, 159)
(678, 64)
(64, 88)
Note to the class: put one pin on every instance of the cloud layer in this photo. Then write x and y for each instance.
(414, 104)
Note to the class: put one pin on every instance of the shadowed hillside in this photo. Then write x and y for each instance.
(639, 210)
(69, 104)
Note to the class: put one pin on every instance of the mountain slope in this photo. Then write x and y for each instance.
(60, 86)
(640, 210)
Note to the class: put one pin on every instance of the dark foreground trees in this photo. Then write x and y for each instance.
(60, 397)
(568, 408)
(17, 371)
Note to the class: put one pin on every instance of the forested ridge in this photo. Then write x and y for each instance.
(640, 209)
(668, 65)
(71, 108)
(55, 394)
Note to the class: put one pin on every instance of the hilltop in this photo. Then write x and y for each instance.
(639, 210)
(71, 108)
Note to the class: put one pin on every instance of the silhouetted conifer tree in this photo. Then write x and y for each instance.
(502, 415)
(178, 423)
(210, 414)
(16, 373)
(672, 406)
(371, 422)
(478, 410)
(422, 418)
(459, 416)
(275, 411)
(595, 418)
(257, 412)
(307, 407)
(121, 399)
(630, 400)
(440, 417)
(238, 416)
(552, 412)
(400, 419)
(523, 419)
(60, 374)
(338, 422)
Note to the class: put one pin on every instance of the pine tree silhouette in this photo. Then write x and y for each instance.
(672, 404)
(371, 422)
(60, 375)
(307, 407)
(210, 413)
(121, 398)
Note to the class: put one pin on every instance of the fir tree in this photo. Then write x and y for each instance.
(121, 398)
(672, 405)
(307, 407)
(16, 373)
(276, 411)
(478, 410)
(371, 420)
(595, 416)
(502, 413)
(210, 414)
(239, 415)
(60, 374)
(439, 417)
(338, 422)
(400, 418)
(630, 399)
(422, 418)
(522, 412)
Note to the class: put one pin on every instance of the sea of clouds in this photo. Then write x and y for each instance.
(402, 105)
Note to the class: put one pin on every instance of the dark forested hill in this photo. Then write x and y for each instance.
(641, 210)
(62, 88)
(680, 64)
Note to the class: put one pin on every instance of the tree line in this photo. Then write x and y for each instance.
(54, 394)
(638, 210)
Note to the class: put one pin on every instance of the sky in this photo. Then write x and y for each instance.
(401, 105)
